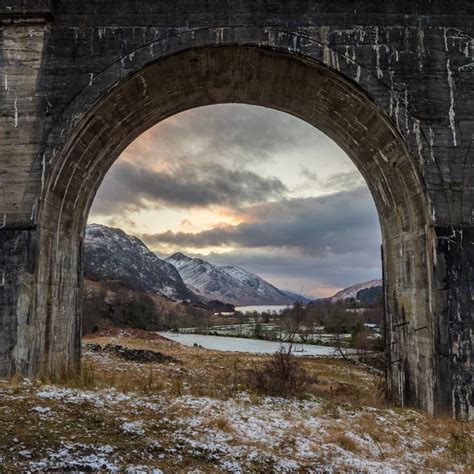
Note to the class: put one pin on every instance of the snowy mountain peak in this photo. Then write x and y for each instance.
(112, 255)
(230, 284)
(179, 256)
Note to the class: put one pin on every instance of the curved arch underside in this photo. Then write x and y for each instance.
(259, 76)
(252, 75)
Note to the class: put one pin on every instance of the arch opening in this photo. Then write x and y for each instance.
(255, 76)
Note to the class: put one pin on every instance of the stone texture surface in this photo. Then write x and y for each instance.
(391, 82)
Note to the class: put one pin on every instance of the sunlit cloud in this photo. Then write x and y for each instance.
(324, 225)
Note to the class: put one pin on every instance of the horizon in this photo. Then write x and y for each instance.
(291, 290)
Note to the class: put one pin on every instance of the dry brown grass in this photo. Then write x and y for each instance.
(221, 375)
(345, 442)
(222, 423)
(344, 399)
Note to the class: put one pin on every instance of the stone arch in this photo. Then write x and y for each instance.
(252, 74)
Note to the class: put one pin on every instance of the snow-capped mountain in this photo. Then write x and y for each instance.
(227, 283)
(112, 255)
(352, 291)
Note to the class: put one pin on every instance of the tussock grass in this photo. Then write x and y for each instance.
(345, 442)
(221, 423)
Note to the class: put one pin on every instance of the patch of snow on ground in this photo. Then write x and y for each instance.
(41, 410)
(78, 456)
(135, 427)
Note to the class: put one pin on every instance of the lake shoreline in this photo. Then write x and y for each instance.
(244, 336)
(252, 345)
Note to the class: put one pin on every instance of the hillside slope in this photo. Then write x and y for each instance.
(230, 284)
(112, 255)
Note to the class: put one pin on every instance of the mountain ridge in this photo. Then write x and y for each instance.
(231, 284)
(112, 255)
(351, 292)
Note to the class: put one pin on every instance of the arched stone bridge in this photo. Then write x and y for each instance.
(391, 82)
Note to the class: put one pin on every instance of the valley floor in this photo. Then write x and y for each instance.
(192, 412)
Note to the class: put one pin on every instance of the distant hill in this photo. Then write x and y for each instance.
(230, 284)
(370, 295)
(365, 292)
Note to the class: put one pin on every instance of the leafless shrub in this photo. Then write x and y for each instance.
(282, 375)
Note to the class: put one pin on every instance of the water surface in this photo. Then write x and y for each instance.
(272, 308)
(256, 346)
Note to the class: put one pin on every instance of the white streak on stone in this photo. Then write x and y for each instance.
(358, 73)
(431, 139)
(324, 31)
(467, 48)
(407, 128)
(43, 171)
(220, 34)
(15, 106)
(16, 111)
(420, 48)
(91, 78)
(417, 132)
(452, 114)
(335, 60)
(377, 54)
(397, 111)
(392, 91)
(382, 194)
(346, 55)
(33, 209)
(445, 34)
(145, 86)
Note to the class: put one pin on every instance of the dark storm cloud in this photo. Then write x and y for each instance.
(344, 222)
(240, 132)
(303, 273)
(183, 186)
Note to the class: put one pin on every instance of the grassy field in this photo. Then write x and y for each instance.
(197, 412)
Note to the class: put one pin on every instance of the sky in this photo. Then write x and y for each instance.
(248, 186)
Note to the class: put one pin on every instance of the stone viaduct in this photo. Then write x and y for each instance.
(392, 82)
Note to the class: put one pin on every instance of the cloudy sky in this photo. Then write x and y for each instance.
(248, 186)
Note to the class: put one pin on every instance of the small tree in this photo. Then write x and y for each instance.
(257, 330)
